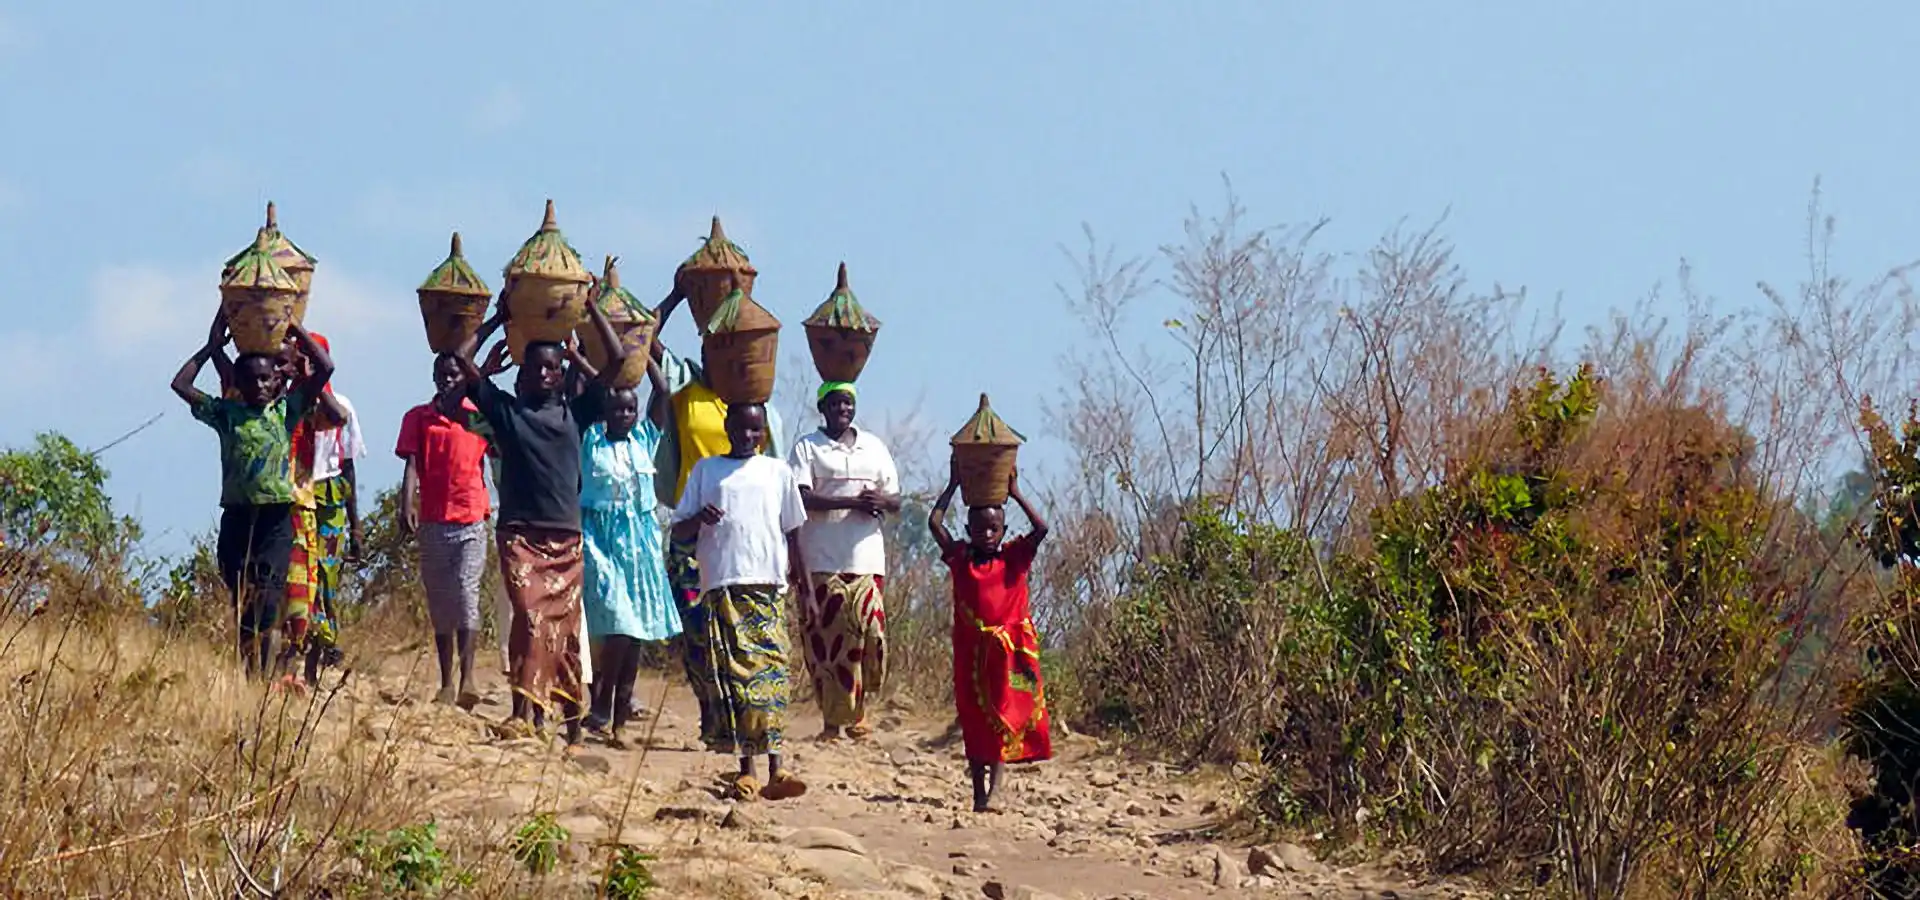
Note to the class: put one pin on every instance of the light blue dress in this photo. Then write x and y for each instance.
(626, 589)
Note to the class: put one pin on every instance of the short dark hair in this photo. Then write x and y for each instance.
(555, 346)
(272, 359)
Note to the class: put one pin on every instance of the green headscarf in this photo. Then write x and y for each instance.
(835, 386)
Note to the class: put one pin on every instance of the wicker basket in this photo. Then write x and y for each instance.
(742, 343)
(984, 453)
(546, 291)
(297, 262)
(632, 322)
(840, 334)
(453, 301)
(713, 273)
(258, 297)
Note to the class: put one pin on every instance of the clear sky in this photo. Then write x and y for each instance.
(946, 152)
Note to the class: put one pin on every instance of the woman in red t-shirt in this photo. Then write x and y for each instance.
(996, 652)
(443, 500)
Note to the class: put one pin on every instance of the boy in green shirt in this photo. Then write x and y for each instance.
(256, 476)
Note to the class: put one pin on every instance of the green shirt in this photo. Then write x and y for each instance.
(256, 447)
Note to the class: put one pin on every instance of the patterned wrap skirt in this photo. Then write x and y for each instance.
(542, 571)
(846, 633)
(453, 557)
(741, 654)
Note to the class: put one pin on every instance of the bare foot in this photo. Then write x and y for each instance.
(444, 697)
(467, 700)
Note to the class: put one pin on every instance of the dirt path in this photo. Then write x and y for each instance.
(888, 817)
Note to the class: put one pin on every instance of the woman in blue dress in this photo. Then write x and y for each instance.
(627, 601)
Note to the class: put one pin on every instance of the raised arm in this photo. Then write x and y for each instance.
(190, 370)
(317, 357)
(937, 517)
(659, 394)
(1037, 526)
(616, 351)
(464, 356)
(217, 339)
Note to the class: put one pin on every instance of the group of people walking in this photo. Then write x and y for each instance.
(593, 572)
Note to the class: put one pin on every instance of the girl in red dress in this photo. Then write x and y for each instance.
(996, 652)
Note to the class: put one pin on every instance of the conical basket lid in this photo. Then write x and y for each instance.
(455, 276)
(285, 252)
(718, 252)
(738, 314)
(842, 310)
(986, 428)
(618, 303)
(548, 255)
(256, 269)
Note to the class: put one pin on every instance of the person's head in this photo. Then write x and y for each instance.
(543, 369)
(986, 527)
(623, 412)
(291, 365)
(746, 428)
(257, 377)
(447, 376)
(836, 405)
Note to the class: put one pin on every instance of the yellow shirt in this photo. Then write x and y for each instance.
(700, 418)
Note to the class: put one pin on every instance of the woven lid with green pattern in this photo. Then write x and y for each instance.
(285, 252)
(256, 269)
(718, 252)
(986, 427)
(455, 276)
(739, 313)
(618, 303)
(842, 310)
(548, 255)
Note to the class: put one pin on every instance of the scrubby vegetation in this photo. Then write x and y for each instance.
(1624, 616)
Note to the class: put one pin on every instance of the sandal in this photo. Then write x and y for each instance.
(784, 787)
(746, 787)
(859, 732)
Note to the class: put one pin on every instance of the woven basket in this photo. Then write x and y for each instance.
(453, 301)
(742, 343)
(297, 262)
(713, 273)
(984, 453)
(259, 298)
(546, 290)
(632, 322)
(840, 334)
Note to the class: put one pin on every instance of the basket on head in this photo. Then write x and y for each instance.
(984, 451)
(297, 262)
(840, 334)
(633, 323)
(258, 297)
(713, 273)
(546, 290)
(742, 341)
(453, 301)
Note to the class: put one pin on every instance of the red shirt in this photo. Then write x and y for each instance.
(448, 461)
(994, 592)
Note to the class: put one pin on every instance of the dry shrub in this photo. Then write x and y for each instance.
(1571, 626)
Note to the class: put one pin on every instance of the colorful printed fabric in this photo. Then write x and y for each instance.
(303, 577)
(542, 571)
(743, 648)
(330, 515)
(256, 447)
(846, 629)
(996, 656)
(683, 576)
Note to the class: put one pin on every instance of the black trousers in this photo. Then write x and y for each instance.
(255, 544)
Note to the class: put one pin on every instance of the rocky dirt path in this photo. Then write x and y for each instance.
(886, 818)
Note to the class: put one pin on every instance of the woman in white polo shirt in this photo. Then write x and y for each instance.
(848, 484)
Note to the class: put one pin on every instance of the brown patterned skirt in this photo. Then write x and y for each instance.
(543, 570)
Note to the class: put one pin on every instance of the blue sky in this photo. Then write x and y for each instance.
(946, 154)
